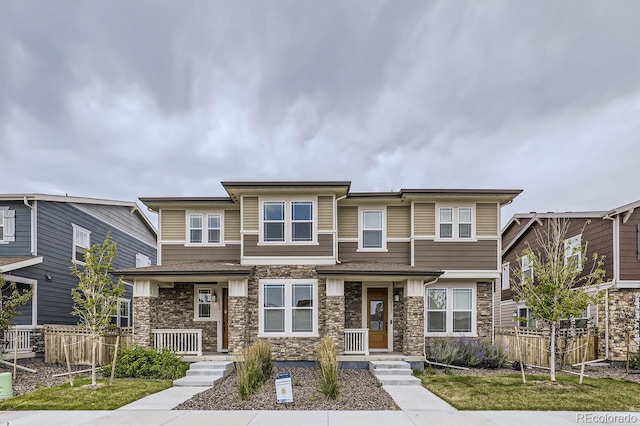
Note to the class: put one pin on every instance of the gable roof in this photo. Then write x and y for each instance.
(627, 208)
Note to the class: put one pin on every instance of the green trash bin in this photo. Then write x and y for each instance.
(6, 388)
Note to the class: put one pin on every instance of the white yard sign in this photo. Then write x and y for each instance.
(283, 387)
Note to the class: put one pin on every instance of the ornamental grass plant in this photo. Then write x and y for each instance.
(255, 367)
(328, 361)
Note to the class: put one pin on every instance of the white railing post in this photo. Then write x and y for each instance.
(24, 341)
(182, 342)
(356, 341)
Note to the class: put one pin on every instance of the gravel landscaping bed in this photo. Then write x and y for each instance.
(26, 382)
(359, 390)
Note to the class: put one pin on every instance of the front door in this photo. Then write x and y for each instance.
(377, 320)
(225, 318)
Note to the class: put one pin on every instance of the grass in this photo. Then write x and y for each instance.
(506, 392)
(64, 397)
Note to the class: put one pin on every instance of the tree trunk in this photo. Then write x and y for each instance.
(93, 362)
(552, 355)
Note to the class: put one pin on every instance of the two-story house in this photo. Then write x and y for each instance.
(293, 261)
(613, 234)
(41, 236)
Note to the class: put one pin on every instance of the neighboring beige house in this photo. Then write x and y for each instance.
(291, 262)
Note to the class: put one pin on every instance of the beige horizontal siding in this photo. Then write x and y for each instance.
(487, 219)
(457, 255)
(325, 213)
(250, 213)
(232, 225)
(173, 254)
(396, 253)
(398, 222)
(347, 222)
(323, 248)
(172, 226)
(424, 219)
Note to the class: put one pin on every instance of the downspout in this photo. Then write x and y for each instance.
(424, 315)
(616, 275)
(335, 224)
(33, 227)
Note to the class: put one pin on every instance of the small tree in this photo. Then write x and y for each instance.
(557, 289)
(11, 298)
(627, 323)
(95, 299)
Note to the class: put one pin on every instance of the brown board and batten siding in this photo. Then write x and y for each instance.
(232, 225)
(323, 248)
(630, 248)
(398, 222)
(173, 254)
(348, 222)
(457, 255)
(250, 214)
(325, 213)
(172, 225)
(397, 252)
(487, 220)
(424, 219)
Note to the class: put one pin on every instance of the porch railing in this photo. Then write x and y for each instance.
(24, 339)
(356, 341)
(183, 342)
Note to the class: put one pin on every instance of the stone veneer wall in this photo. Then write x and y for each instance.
(621, 301)
(37, 340)
(413, 342)
(334, 320)
(352, 304)
(175, 309)
(399, 321)
(287, 348)
(144, 320)
(484, 310)
(238, 324)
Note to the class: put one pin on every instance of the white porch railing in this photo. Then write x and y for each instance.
(24, 339)
(183, 342)
(356, 341)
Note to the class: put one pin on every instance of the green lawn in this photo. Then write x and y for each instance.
(506, 392)
(64, 397)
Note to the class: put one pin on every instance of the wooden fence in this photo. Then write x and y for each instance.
(79, 344)
(535, 344)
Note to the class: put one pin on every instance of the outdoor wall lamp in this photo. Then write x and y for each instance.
(396, 296)
(214, 297)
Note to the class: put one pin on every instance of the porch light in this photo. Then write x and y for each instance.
(214, 298)
(396, 296)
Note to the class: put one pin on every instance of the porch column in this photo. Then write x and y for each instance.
(145, 295)
(238, 314)
(413, 342)
(334, 312)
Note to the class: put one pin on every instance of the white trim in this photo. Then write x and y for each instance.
(288, 284)
(73, 242)
(450, 287)
(628, 284)
(347, 240)
(413, 234)
(505, 285)
(455, 224)
(34, 299)
(398, 240)
(424, 237)
(288, 260)
(213, 306)
(238, 287)
(204, 214)
(335, 287)
(21, 264)
(361, 210)
(288, 221)
(468, 275)
(34, 228)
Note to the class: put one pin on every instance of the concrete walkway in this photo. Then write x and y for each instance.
(419, 408)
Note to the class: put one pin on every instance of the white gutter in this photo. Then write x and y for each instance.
(335, 227)
(424, 314)
(616, 276)
(34, 249)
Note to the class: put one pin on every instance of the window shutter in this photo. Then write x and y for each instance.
(10, 225)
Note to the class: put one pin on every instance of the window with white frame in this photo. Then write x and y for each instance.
(505, 276)
(205, 297)
(525, 317)
(204, 228)
(142, 260)
(7, 225)
(573, 252)
(122, 316)
(213, 228)
(527, 267)
(450, 311)
(288, 221)
(372, 229)
(195, 228)
(81, 242)
(288, 307)
(455, 223)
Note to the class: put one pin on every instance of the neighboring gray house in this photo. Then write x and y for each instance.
(41, 235)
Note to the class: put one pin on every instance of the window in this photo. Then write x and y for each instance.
(455, 223)
(288, 307)
(372, 225)
(450, 310)
(573, 252)
(527, 268)
(505, 276)
(123, 314)
(288, 222)
(525, 317)
(204, 228)
(205, 297)
(142, 260)
(7, 225)
(81, 242)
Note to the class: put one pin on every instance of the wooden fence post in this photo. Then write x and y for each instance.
(66, 355)
(524, 380)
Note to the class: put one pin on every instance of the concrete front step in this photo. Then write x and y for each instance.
(205, 373)
(399, 381)
(393, 373)
(374, 365)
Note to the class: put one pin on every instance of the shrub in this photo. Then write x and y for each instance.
(328, 360)
(256, 367)
(466, 352)
(141, 363)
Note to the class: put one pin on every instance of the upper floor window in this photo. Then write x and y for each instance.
(287, 221)
(527, 267)
(372, 229)
(573, 252)
(205, 228)
(288, 306)
(7, 225)
(455, 222)
(81, 242)
(142, 260)
(505, 276)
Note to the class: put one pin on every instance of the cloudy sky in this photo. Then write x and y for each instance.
(122, 99)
